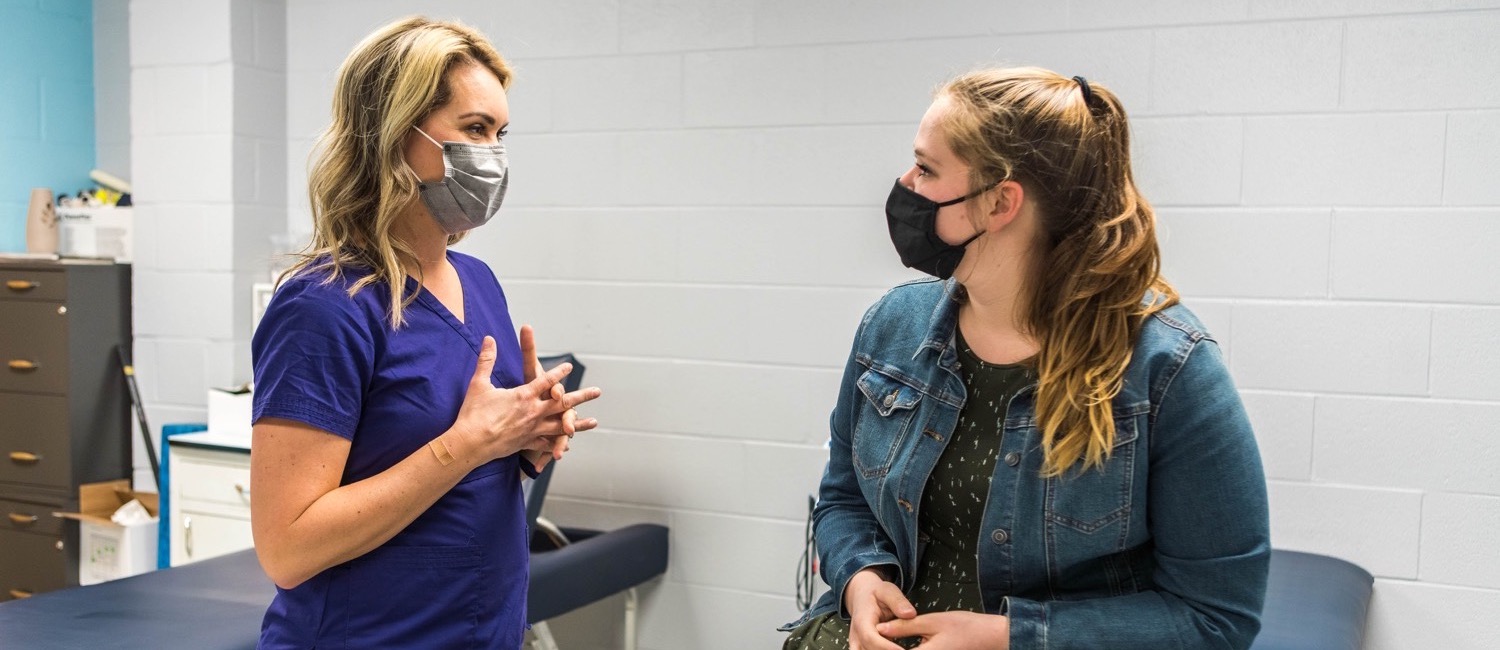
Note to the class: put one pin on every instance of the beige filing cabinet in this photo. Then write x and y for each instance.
(210, 512)
(64, 410)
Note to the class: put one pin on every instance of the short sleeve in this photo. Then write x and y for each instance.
(313, 357)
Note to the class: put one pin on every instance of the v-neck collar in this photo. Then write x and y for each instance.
(431, 302)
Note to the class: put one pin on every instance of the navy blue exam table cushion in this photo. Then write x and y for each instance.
(218, 603)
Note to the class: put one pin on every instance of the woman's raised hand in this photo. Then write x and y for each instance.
(533, 369)
(498, 422)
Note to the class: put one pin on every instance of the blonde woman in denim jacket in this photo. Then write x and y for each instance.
(1040, 448)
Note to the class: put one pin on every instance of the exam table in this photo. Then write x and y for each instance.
(217, 604)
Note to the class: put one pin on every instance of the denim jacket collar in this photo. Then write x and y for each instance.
(943, 322)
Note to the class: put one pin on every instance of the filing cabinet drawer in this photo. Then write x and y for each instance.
(33, 285)
(199, 536)
(33, 347)
(34, 564)
(34, 443)
(25, 517)
(202, 476)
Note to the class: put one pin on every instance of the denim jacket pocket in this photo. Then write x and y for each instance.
(1089, 500)
(1089, 515)
(884, 417)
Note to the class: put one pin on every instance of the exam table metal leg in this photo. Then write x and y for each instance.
(630, 610)
(542, 637)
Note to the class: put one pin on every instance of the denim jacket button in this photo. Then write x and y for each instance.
(1000, 536)
(890, 400)
(1013, 459)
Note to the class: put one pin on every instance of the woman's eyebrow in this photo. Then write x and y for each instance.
(488, 119)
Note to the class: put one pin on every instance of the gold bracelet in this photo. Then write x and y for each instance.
(440, 449)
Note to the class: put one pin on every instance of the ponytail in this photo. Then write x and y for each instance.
(1097, 272)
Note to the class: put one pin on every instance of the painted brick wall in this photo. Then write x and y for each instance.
(208, 155)
(46, 105)
(695, 211)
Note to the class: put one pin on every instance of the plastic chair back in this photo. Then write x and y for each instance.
(535, 490)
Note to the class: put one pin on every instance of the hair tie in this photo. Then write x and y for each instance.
(1088, 93)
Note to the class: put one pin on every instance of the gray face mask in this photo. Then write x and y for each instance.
(473, 185)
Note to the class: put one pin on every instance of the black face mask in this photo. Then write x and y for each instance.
(912, 219)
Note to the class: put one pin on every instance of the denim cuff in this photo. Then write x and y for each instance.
(1028, 622)
(860, 563)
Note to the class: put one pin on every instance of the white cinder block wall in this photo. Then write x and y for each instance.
(112, 86)
(208, 156)
(696, 212)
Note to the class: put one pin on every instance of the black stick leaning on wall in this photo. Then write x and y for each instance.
(140, 412)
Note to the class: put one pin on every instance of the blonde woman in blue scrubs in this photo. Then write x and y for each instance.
(396, 408)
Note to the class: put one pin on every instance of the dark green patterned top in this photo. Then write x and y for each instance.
(954, 500)
(952, 507)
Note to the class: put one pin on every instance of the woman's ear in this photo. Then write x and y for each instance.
(1005, 202)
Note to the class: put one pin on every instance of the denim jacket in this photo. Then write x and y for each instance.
(1166, 546)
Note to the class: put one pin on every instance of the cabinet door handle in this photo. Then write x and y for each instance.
(19, 594)
(187, 538)
(21, 286)
(240, 490)
(24, 458)
(23, 364)
(22, 520)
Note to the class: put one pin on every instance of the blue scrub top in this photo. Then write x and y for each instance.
(456, 576)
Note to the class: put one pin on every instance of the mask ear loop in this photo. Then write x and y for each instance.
(429, 138)
(414, 175)
(982, 232)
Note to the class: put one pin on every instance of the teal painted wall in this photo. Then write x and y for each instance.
(46, 105)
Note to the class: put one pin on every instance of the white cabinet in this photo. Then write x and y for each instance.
(210, 484)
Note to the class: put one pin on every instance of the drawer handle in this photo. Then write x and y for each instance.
(19, 594)
(22, 520)
(22, 364)
(24, 457)
(21, 286)
(187, 527)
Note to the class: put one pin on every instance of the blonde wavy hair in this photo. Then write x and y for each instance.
(1095, 272)
(360, 182)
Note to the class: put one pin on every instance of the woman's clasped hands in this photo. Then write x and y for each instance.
(536, 418)
(879, 614)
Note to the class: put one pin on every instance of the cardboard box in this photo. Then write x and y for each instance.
(107, 550)
(229, 410)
